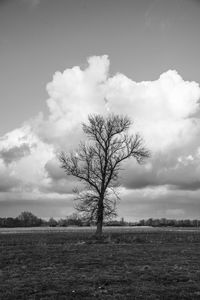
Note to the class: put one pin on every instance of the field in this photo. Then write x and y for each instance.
(68, 264)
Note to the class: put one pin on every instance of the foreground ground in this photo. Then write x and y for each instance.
(131, 264)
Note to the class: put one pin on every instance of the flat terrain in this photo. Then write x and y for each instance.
(68, 264)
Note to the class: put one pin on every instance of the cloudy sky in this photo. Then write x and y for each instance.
(60, 60)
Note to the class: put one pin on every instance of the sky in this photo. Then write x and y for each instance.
(60, 60)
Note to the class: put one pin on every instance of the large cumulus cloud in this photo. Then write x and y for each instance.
(165, 111)
(74, 94)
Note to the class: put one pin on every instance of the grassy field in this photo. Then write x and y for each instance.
(131, 264)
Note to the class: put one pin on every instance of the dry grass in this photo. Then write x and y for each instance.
(128, 265)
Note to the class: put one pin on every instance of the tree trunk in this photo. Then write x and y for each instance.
(99, 218)
(99, 228)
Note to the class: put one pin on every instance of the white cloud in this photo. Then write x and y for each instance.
(74, 94)
(164, 111)
(26, 167)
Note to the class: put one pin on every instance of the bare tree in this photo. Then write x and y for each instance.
(97, 163)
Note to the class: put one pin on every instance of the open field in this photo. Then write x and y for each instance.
(140, 263)
(81, 229)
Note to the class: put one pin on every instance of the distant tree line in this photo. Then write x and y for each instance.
(27, 219)
(168, 222)
(162, 222)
